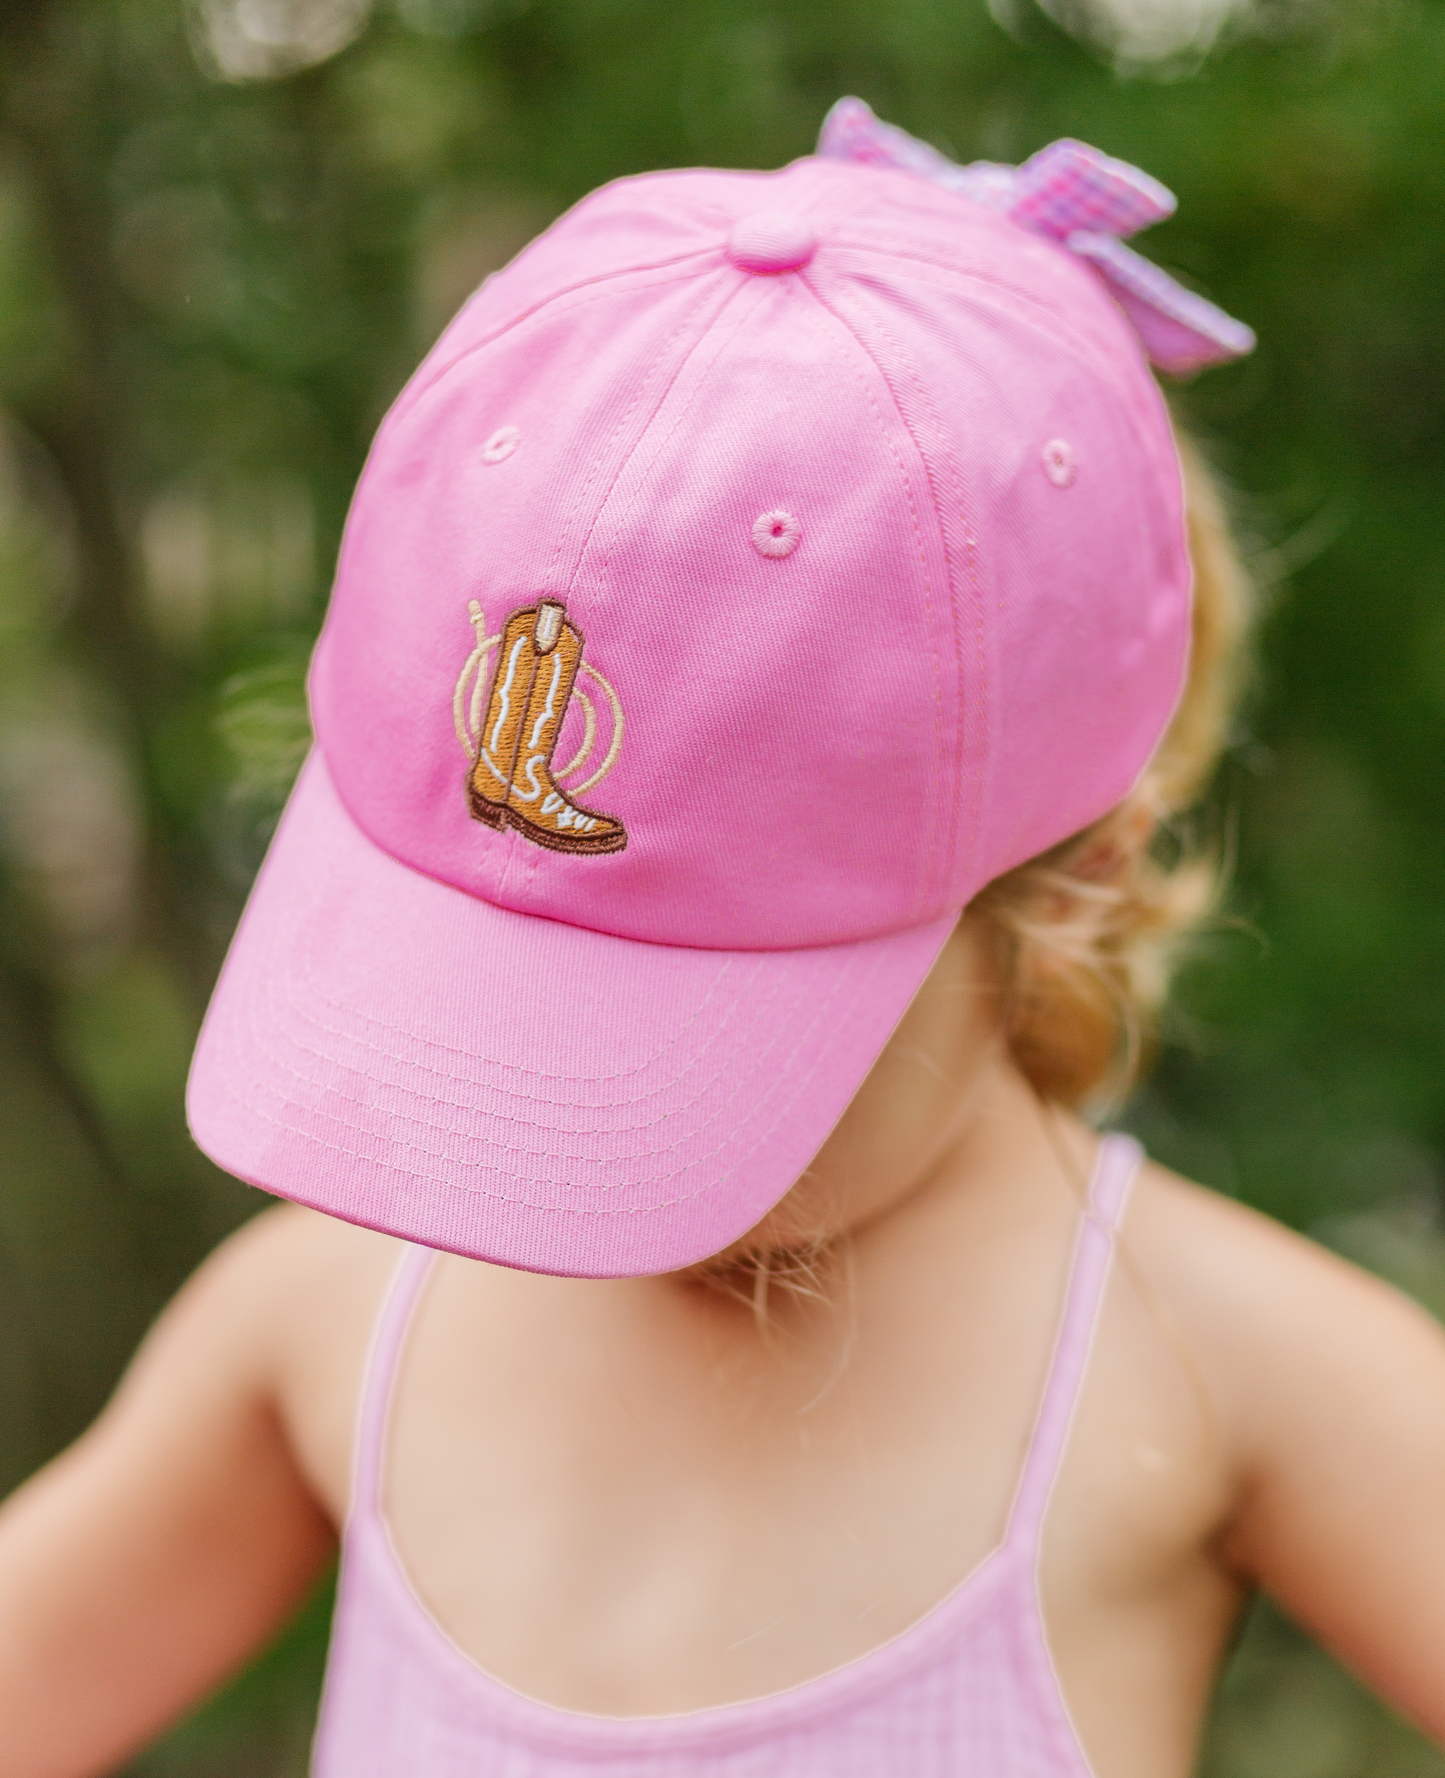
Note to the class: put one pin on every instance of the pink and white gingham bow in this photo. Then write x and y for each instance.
(1077, 196)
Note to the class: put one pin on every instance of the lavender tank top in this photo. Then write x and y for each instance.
(969, 1691)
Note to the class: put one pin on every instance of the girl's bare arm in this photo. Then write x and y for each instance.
(1332, 1388)
(145, 1563)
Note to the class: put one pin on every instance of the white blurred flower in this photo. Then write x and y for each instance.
(1155, 30)
(1142, 33)
(263, 39)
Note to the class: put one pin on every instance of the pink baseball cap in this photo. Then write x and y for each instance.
(757, 567)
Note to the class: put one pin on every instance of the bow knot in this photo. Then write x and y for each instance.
(1085, 200)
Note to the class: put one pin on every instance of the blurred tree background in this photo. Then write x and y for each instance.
(229, 229)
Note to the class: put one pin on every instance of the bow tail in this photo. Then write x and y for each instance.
(1180, 330)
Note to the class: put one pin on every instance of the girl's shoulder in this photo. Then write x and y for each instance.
(278, 1320)
(1233, 1271)
(289, 1277)
(1324, 1390)
(1298, 1349)
(287, 1305)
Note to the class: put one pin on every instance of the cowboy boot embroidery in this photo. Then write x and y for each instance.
(491, 776)
(511, 782)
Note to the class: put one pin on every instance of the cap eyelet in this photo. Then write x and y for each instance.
(501, 444)
(1060, 464)
(776, 533)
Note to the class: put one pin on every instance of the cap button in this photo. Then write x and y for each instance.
(771, 241)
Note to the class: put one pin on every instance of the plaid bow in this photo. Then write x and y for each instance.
(1081, 198)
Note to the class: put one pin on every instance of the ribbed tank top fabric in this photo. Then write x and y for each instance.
(969, 1691)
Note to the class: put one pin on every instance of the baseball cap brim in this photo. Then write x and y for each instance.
(394, 1051)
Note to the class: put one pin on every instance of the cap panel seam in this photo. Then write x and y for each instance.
(422, 384)
(582, 290)
(516, 862)
(1137, 409)
(906, 368)
(904, 262)
(823, 307)
(723, 330)
(658, 385)
(1139, 398)
(655, 442)
(657, 382)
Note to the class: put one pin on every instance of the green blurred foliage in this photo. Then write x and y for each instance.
(229, 228)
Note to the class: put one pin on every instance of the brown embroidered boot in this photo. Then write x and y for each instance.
(511, 782)
(491, 776)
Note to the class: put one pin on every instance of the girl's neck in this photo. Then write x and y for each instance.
(945, 1140)
(945, 1107)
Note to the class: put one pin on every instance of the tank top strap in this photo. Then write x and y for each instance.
(1114, 1169)
(392, 1322)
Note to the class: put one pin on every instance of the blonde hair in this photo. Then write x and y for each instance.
(1088, 934)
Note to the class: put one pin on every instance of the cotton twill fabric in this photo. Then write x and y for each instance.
(808, 760)
(413, 1058)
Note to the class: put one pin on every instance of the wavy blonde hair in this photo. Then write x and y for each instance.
(1088, 934)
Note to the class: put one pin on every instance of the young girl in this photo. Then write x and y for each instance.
(725, 870)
